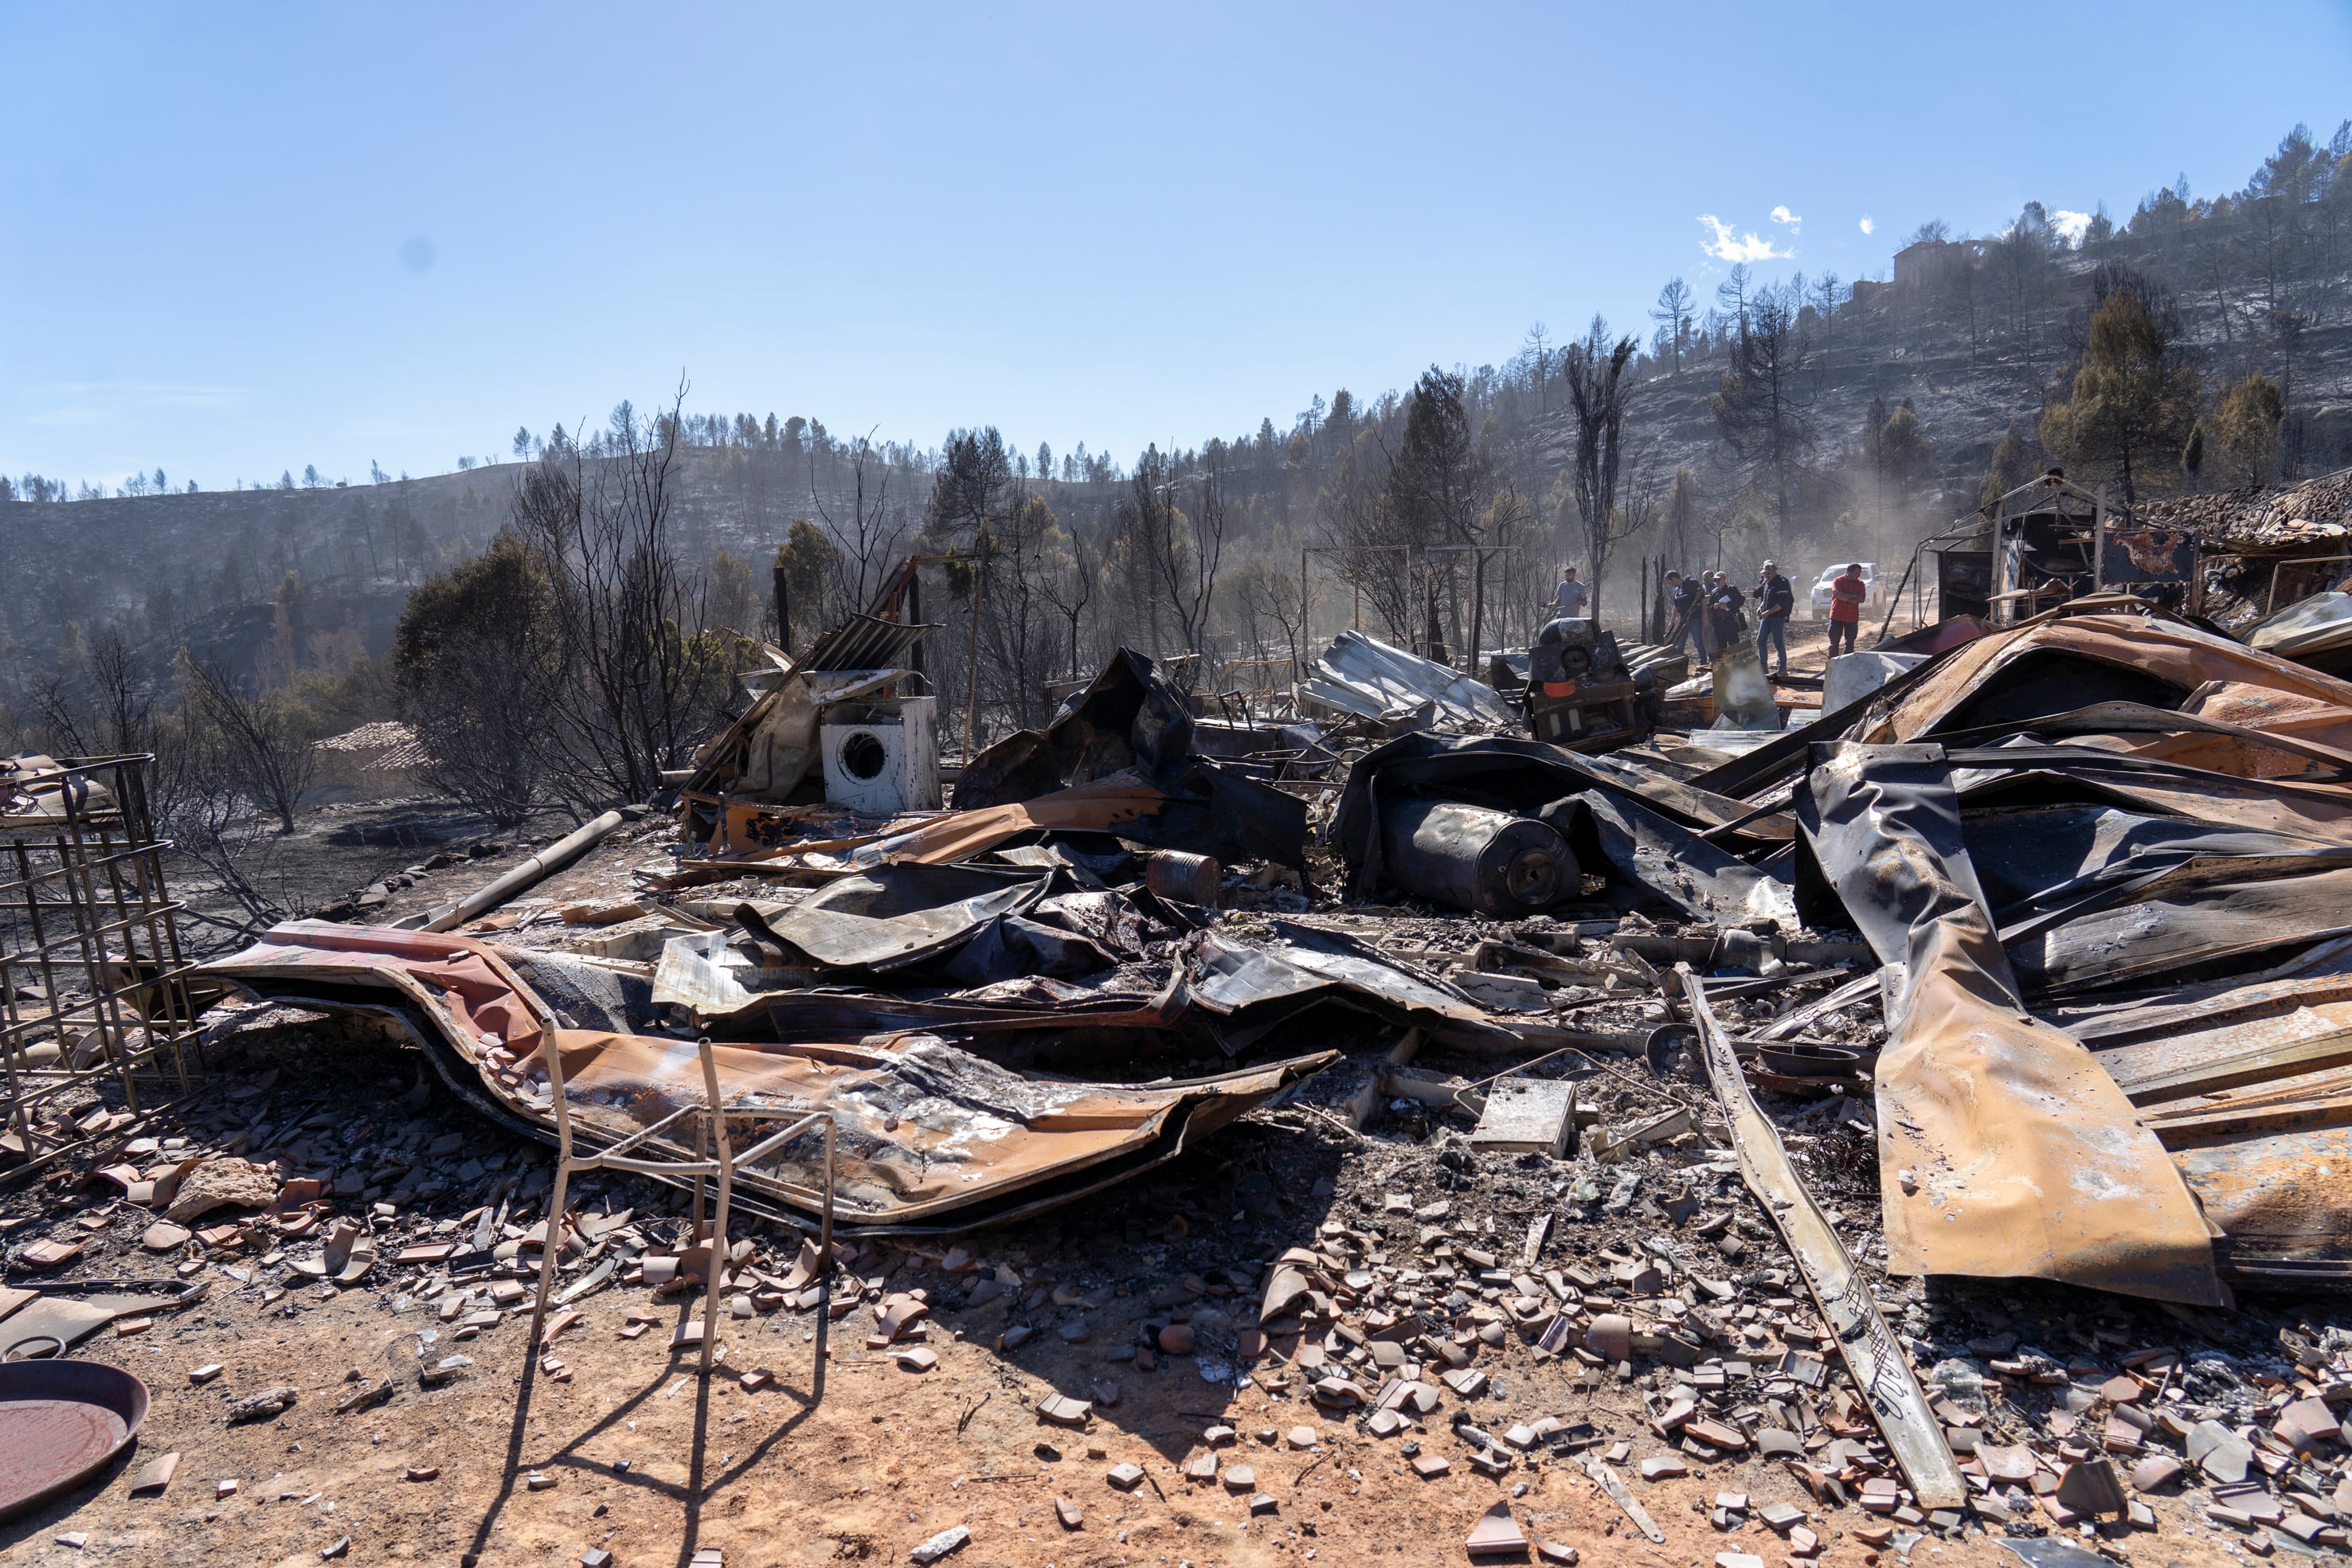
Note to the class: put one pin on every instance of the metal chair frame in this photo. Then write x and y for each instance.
(722, 1164)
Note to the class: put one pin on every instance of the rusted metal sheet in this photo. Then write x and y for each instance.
(2004, 1149)
(1913, 1434)
(2147, 555)
(2279, 1196)
(2056, 665)
(932, 1139)
(1112, 806)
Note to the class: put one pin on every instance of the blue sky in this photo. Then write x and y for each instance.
(238, 239)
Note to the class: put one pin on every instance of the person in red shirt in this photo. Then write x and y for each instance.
(1847, 592)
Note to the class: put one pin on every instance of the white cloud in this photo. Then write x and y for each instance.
(1781, 214)
(1869, 225)
(2070, 225)
(1726, 246)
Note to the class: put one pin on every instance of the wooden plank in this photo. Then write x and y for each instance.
(1889, 1390)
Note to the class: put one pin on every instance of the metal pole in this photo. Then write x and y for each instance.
(726, 1191)
(824, 1235)
(533, 872)
(552, 1243)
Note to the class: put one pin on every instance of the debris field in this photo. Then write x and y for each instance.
(1916, 1135)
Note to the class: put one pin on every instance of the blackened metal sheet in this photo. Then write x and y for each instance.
(1251, 985)
(865, 642)
(1132, 723)
(2318, 974)
(2150, 939)
(2005, 1149)
(2023, 856)
(1504, 774)
(1128, 719)
(895, 915)
(1669, 861)
(1033, 1003)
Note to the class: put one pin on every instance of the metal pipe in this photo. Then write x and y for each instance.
(532, 872)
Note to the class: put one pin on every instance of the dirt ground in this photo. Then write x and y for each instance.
(847, 1456)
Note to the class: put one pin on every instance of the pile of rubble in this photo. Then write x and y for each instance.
(1591, 1125)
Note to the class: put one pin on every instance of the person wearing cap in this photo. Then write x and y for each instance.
(1774, 600)
(1569, 597)
(1848, 593)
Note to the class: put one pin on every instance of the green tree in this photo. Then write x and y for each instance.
(2246, 427)
(473, 654)
(1906, 454)
(810, 562)
(2011, 466)
(729, 598)
(1759, 411)
(2133, 401)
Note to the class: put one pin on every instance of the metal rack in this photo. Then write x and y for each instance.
(93, 983)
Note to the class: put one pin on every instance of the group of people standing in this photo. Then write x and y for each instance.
(1711, 612)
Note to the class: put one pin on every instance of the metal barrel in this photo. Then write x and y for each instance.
(1188, 879)
(1467, 857)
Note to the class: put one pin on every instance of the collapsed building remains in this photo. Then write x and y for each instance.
(1674, 1061)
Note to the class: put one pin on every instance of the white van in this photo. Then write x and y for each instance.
(1830, 574)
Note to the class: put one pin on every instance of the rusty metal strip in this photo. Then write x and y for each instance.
(2309, 980)
(2137, 718)
(2004, 1147)
(2331, 1049)
(1606, 1479)
(1913, 1434)
(2207, 1124)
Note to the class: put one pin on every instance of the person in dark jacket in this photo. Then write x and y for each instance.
(1685, 595)
(1727, 622)
(1774, 600)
